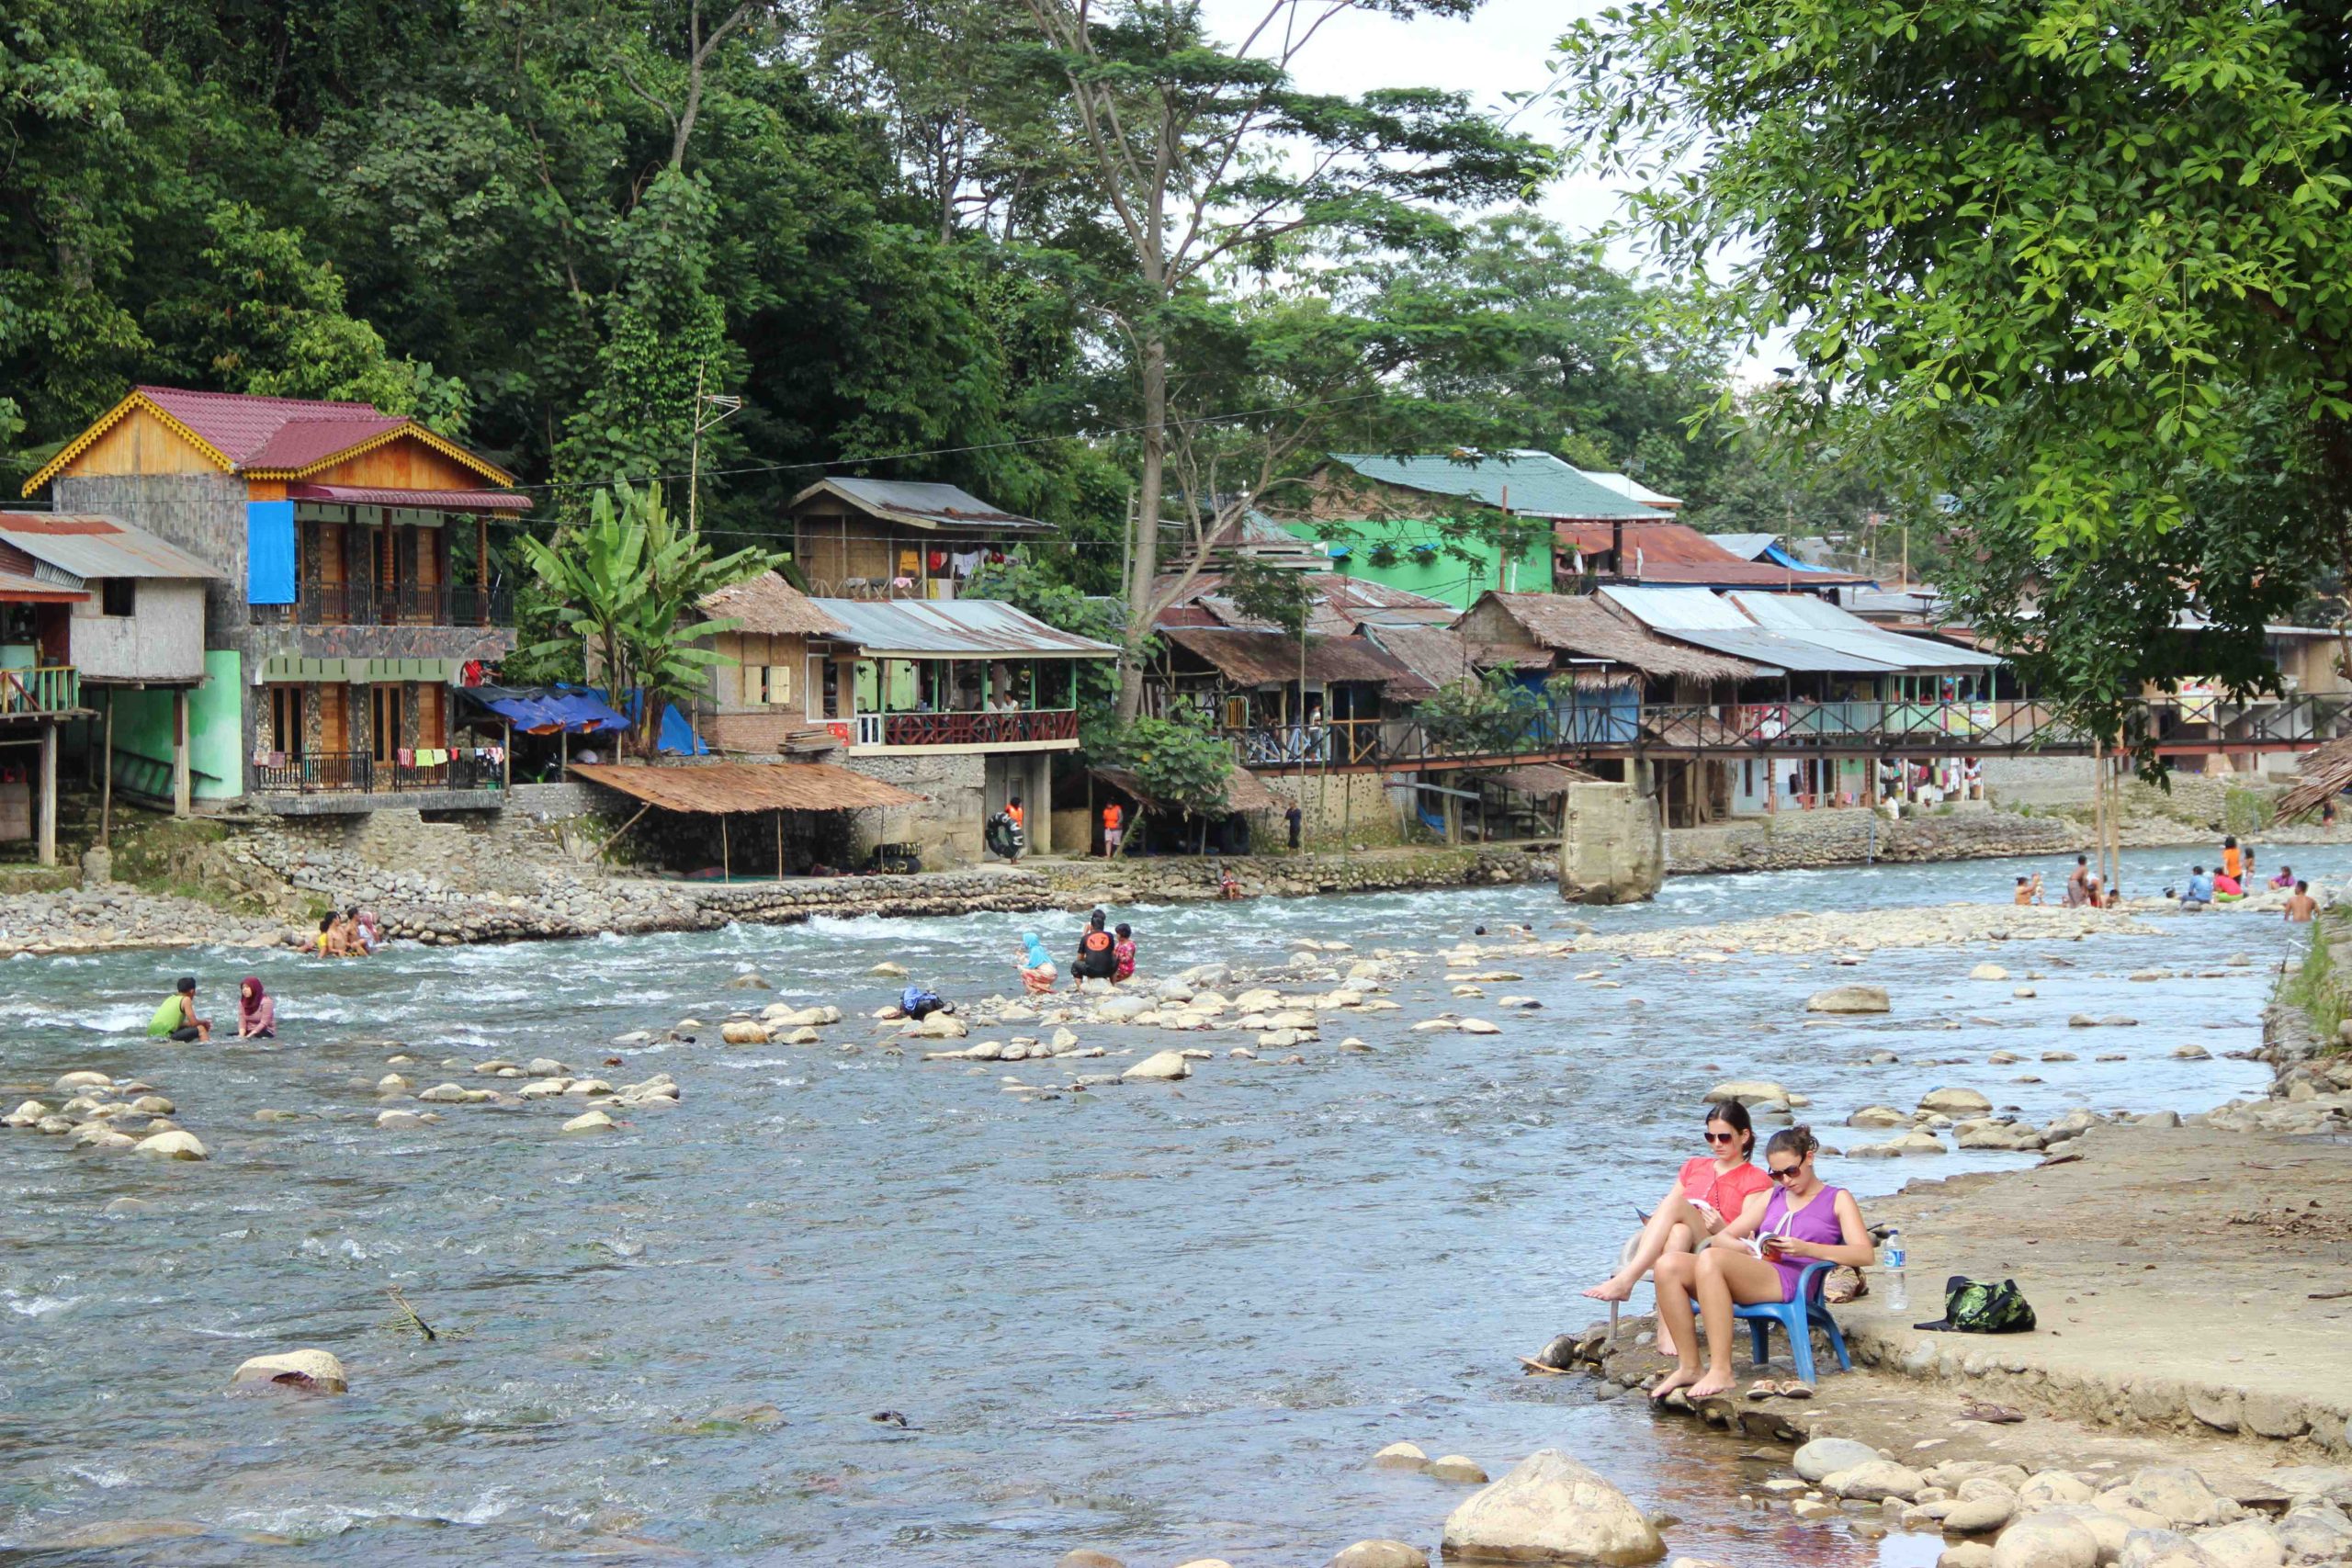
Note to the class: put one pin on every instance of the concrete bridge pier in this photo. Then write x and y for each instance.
(1612, 849)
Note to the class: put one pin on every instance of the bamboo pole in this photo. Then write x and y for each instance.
(2099, 810)
(624, 828)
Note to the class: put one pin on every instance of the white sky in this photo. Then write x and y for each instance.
(1506, 46)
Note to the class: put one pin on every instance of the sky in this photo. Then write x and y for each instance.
(1506, 46)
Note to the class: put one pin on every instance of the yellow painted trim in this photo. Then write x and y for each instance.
(113, 417)
(447, 448)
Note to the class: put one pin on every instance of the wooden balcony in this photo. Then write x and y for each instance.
(975, 729)
(40, 692)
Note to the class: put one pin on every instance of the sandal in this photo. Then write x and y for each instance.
(1796, 1388)
(1763, 1388)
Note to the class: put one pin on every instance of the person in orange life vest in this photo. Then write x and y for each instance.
(1113, 829)
(1098, 957)
(1019, 826)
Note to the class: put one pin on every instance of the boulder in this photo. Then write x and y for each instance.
(2052, 1488)
(1874, 1481)
(1987, 1134)
(1979, 1516)
(1988, 971)
(1480, 1026)
(743, 1031)
(1550, 1508)
(1379, 1554)
(1400, 1456)
(1955, 1101)
(1750, 1092)
(1848, 999)
(940, 1026)
(1967, 1554)
(2249, 1543)
(1087, 1557)
(314, 1371)
(1825, 1457)
(885, 970)
(2046, 1541)
(1878, 1116)
(589, 1121)
(2161, 1549)
(1159, 1065)
(1458, 1467)
(2173, 1493)
(66, 1083)
(172, 1145)
(399, 1119)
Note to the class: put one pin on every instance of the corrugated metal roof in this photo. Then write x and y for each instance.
(954, 628)
(922, 503)
(90, 546)
(1708, 620)
(1747, 547)
(1627, 485)
(718, 787)
(1802, 615)
(1532, 484)
(1676, 553)
(19, 589)
(1586, 625)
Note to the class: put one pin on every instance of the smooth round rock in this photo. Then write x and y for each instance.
(314, 1371)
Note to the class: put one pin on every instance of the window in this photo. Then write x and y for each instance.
(118, 595)
(286, 720)
(775, 683)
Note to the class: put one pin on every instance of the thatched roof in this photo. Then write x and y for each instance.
(769, 607)
(1271, 659)
(2324, 772)
(1243, 792)
(722, 787)
(1584, 625)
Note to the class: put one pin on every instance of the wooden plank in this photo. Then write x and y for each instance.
(404, 464)
(139, 444)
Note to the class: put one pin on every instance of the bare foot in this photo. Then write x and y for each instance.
(1612, 1288)
(1669, 1384)
(1666, 1341)
(1710, 1386)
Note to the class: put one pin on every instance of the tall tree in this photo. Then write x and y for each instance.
(2082, 258)
(1205, 155)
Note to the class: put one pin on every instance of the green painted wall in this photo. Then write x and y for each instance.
(1434, 575)
(142, 726)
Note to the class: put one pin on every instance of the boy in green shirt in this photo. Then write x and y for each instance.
(177, 1019)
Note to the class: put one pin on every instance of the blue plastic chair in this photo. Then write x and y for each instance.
(1796, 1319)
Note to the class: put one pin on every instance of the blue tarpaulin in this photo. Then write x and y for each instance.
(269, 552)
(545, 710)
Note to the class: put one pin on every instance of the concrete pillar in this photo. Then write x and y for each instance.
(179, 752)
(1041, 797)
(1612, 848)
(49, 793)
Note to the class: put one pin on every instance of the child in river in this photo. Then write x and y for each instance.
(1037, 971)
(1123, 954)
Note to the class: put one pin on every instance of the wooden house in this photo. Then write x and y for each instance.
(857, 538)
(781, 680)
(353, 584)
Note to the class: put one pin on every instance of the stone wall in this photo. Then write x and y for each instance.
(2038, 781)
(1173, 878)
(1848, 837)
(1355, 810)
(1610, 851)
(948, 826)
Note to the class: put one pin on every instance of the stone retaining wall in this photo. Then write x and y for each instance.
(1852, 836)
(1172, 879)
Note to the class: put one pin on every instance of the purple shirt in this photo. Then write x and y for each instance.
(1816, 1221)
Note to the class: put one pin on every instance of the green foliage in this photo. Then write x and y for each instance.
(626, 583)
(1489, 714)
(1180, 761)
(2081, 261)
(1035, 588)
(1277, 595)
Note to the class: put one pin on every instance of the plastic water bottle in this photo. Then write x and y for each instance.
(1898, 1298)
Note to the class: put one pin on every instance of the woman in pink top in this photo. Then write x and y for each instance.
(1712, 1191)
(1804, 1222)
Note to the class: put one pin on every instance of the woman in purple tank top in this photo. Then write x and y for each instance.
(1803, 1222)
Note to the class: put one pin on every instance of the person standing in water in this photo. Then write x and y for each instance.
(2300, 905)
(256, 1011)
(2078, 883)
(175, 1020)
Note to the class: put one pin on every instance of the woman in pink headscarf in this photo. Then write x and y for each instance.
(257, 1012)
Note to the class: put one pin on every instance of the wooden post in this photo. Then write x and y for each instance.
(179, 752)
(726, 865)
(49, 792)
(106, 784)
(506, 757)
(2099, 809)
(779, 844)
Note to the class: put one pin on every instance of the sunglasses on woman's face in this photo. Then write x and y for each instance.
(1723, 1137)
(1785, 1172)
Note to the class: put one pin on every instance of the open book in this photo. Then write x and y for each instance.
(1753, 1245)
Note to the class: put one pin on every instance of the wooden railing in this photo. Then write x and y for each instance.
(969, 728)
(50, 688)
(356, 773)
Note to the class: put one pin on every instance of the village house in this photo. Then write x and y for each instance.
(351, 585)
(963, 703)
(859, 538)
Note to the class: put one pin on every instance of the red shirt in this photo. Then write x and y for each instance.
(1728, 1192)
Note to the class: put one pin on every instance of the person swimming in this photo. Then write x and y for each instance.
(1037, 971)
(1123, 952)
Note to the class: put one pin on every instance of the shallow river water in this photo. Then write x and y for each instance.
(1165, 1321)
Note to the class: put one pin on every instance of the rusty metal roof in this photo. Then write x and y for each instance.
(90, 546)
(954, 628)
(921, 504)
(1656, 550)
(1271, 659)
(1583, 625)
(715, 788)
(418, 500)
(17, 588)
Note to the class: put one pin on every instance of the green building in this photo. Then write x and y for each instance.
(1409, 523)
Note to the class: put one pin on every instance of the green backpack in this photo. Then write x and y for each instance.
(1972, 1307)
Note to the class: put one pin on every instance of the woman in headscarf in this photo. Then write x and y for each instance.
(1037, 971)
(256, 1011)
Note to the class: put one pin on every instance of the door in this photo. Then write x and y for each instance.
(385, 712)
(334, 718)
(285, 721)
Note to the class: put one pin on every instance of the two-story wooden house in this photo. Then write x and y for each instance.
(857, 538)
(354, 583)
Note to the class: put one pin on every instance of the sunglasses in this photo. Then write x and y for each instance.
(1723, 1137)
(1787, 1173)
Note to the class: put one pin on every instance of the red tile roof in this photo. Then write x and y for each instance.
(239, 426)
(1666, 552)
(423, 500)
(299, 443)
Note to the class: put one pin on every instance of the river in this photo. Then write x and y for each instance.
(1164, 1321)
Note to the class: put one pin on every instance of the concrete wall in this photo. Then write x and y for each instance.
(164, 640)
(2038, 781)
(142, 727)
(1611, 852)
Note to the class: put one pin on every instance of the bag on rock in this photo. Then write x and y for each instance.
(1845, 1284)
(1972, 1307)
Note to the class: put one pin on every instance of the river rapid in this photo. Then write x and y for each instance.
(1166, 1321)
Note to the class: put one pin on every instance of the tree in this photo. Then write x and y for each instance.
(1179, 762)
(625, 585)
(2082, 261)
(1488, 715)
(1206, 157)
